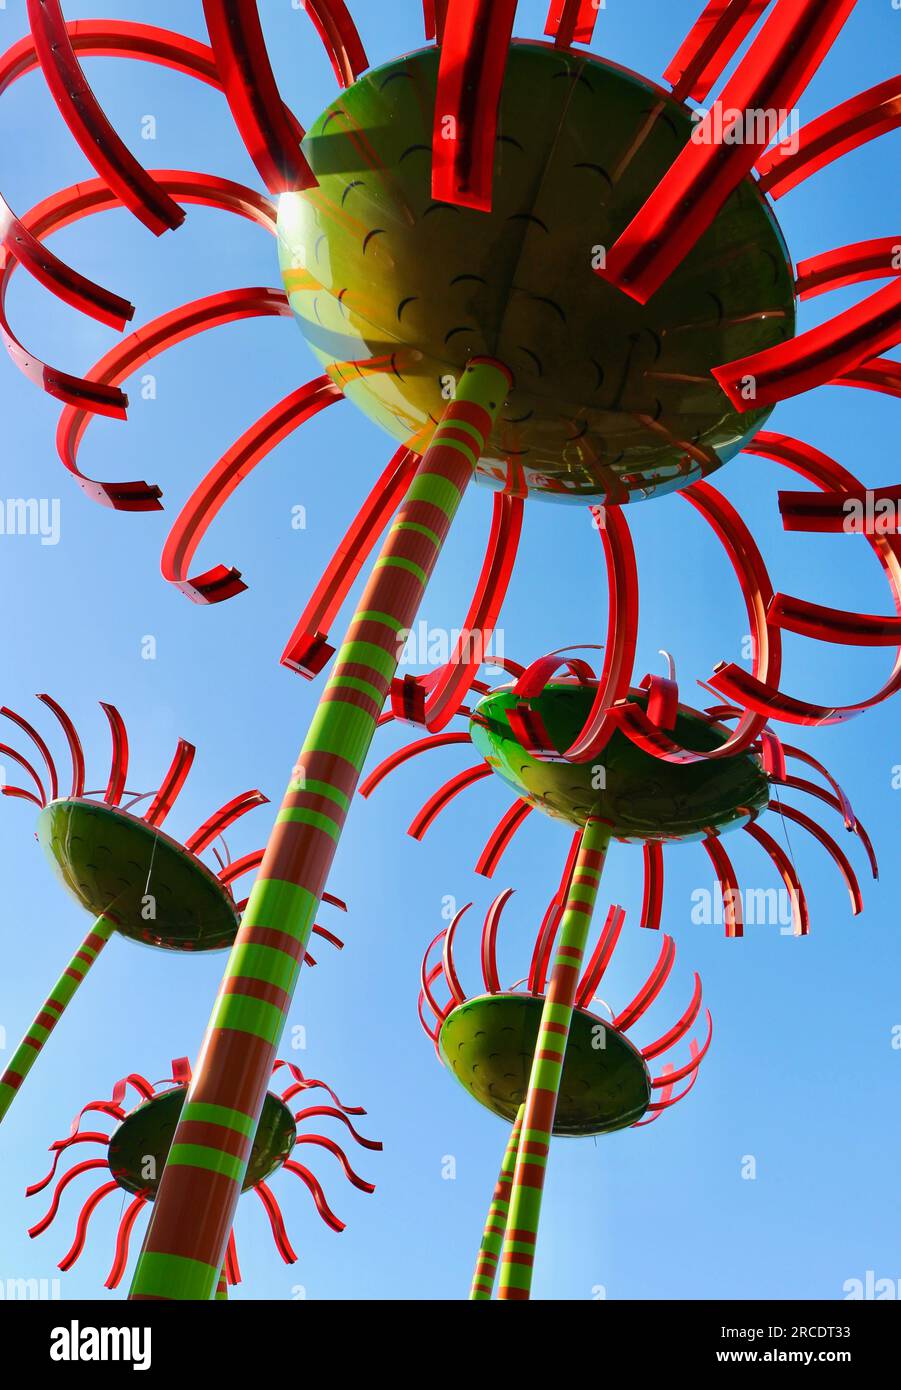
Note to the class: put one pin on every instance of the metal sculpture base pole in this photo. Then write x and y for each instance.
(496, 1223)
(195, 1206)
(518, 1254)
(31, 1046)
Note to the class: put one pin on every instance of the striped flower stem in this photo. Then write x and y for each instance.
(496, 1224)
(518, 1255)
(29, 1049)
(222, 1287)
(195, 1205)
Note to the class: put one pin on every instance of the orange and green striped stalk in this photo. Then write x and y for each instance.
(195, 1206)
(31, 1046)
(518, 1254)
(496, 1224)
(222, 1287)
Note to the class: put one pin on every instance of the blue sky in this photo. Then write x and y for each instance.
(802, 1074)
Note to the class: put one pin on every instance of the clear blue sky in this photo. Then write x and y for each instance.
(802, 1074)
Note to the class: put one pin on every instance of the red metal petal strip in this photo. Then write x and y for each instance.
(172, 783)
(308, 648)
(733, 916)
(75, 749)
(501, 836)
(845, 128)
(650, 989)
(772, 76)
(209, 497)
(815, 357)
(710, 45)
(443, 796)
(81, 111)
(265, 126)
(470, 79)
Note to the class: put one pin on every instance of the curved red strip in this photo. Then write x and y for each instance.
(474, 51)
(84, 1217)
(172, 783)
(208, 498)
(652, 902)
(126, 1226)
(269, 133)
(172, 328)
(443, 796)
(74, 289)
(58, 1148)
(313, 1110)
(220, 820)
(318, 1195)
(82, 113)
(601, 957)
(453, 682)
(788, 873)
(458, 994)
(325, 1143)
(710, 45)
(845, 128)
(814, 358)
(733, 916)
(500, 837)
(650, 989)
(276, 1221)
(403, 755)
(87, 1166)
(75, 749)
(879, 374)
(340, 38)
(39, 744)
(8, 752)
(679, 1029)
(308, 648)
(771, 77)
(672, 1077)
(878, 259)
(489, 941)
(119, 766)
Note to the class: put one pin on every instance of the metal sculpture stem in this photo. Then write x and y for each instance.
(222, 1286)
(518, 1255)
(31, 1046)
(195, 1206)
(496, 1223)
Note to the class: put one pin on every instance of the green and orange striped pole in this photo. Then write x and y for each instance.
(195, 1206)
(496, 1223)
(518, 1253)
(31, 1046)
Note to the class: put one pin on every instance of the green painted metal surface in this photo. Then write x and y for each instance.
(613, 400)
(158, 893)
(139, 1146)
(489, 1042)
(638, 795)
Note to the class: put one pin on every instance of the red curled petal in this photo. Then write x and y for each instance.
(733, 915)
(501, 836)
(269, 132)
(443, 796)
(474, 51)
(845, 128)
(276, 1221)
(340, 38)
(81, 111)
(815, 357)
(877, 259)
(308, 648)
(710, 45)
(123, 1238)
(213, 492)
(786, 868)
